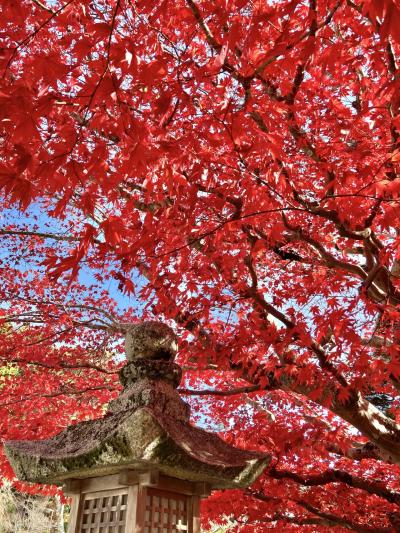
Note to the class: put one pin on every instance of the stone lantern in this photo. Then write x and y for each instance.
(143, 467)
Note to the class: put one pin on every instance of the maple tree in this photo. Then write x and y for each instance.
(232, 169)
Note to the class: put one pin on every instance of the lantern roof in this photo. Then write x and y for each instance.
(146, 428)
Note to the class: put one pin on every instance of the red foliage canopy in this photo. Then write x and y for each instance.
(233, 168)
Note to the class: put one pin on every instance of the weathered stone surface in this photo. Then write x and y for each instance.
(118, 442)
(157, 395)
(150, 340)
(146, 427)
(153, 369)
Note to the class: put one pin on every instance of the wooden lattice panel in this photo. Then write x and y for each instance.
(166, 512)
(104, 512)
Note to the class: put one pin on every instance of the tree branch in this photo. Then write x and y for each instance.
(65, 392)
(213, 392)
(334, 476)
(331, 518)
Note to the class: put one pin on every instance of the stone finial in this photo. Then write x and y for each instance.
(150, 340)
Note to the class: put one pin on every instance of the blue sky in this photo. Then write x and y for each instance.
(37, 216)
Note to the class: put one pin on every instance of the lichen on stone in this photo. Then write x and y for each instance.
(150, 340)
